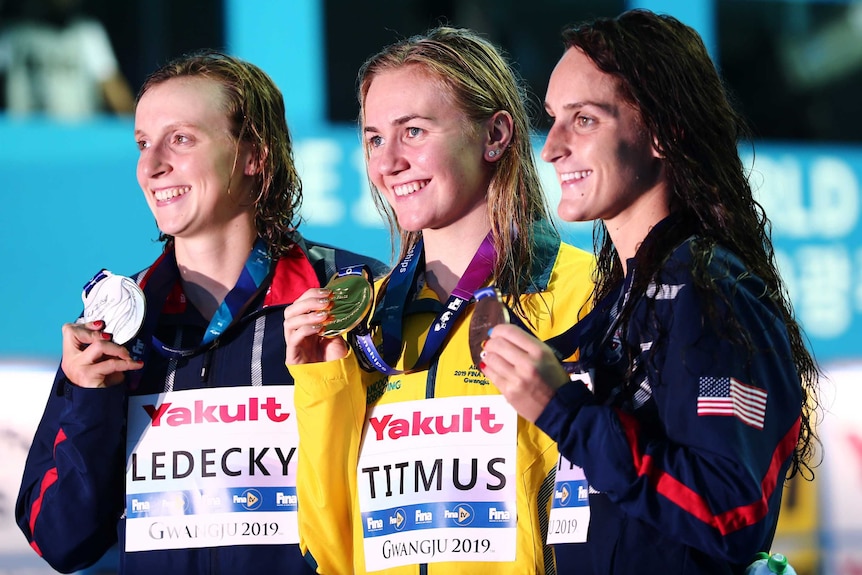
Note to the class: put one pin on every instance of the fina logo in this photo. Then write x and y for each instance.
(250, 499)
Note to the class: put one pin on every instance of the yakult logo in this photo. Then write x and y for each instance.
(387, 427)
(200, 412)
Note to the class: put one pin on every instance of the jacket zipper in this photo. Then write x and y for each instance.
(207, 362)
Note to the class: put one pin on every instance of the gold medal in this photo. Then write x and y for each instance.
(351, 300)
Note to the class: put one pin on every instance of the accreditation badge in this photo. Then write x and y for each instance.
(570, 508)
(351, 301)
(211, 468)
(116, 300)
(437, 482)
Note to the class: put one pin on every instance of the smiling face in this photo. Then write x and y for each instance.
(423, 154)
(196, 179)
(605, 161)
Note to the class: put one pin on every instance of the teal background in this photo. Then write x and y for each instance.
(71, 205)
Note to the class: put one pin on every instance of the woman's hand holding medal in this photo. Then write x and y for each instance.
(91, 359)
(93, 350)
(314, 321)
(523, 368)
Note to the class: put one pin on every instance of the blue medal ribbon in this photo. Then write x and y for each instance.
(160, 280)
(252, 280)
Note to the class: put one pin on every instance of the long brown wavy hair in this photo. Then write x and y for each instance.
(664, 70)
(256, 112)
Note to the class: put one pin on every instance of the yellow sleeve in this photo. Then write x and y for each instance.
(330, 412)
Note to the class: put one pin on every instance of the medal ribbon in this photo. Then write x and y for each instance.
(402, 286)
(251, 282)
(254, 273)
(161, 279)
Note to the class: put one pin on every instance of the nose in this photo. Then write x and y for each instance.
(153, 163)
(555, 144)
(389, 159)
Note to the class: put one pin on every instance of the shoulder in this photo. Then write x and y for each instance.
(695, 277)
(722, 266)
(575, 259)
(328, 259)
(554, 259)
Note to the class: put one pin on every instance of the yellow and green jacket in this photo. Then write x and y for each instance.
(334, 399)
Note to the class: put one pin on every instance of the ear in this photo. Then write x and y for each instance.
(656, 149)
(254, 160)
(499, 131)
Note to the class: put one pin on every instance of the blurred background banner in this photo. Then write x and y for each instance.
(72, 206)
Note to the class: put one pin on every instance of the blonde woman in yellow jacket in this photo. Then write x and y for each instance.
(409, 461)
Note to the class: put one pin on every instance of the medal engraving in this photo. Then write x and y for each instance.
(116, 300)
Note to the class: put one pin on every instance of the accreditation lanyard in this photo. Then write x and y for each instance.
(159, 283)
(401, 288)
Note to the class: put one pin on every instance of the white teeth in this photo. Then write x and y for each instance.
(579, 175)
(162, 195)
(406, 189)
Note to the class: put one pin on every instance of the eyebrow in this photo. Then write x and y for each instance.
(171, 127)
(606, 107)
(400, 121)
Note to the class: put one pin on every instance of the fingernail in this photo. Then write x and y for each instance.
(98, 324)
(489, 331)
(481, 366)
(106, 335)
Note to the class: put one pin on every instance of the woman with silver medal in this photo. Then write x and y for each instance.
(410, 462)
(170, 430)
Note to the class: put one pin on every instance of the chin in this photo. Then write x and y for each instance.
(411, 226)
(571, 215)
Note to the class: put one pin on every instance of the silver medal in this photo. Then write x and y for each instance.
(116, 300)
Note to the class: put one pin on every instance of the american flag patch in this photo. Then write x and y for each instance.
(728, 396)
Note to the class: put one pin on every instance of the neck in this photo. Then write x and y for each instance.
(448, 254)
(210, 269)
(629, 229)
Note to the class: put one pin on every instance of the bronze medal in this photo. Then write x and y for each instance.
(488, 311)
(351, 300)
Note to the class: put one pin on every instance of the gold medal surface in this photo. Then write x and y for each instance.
(487, 312)
(351, 300)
